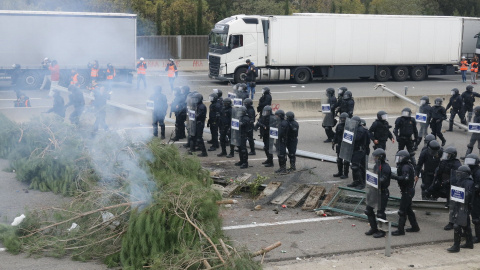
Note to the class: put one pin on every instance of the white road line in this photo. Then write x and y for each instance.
(290, 92)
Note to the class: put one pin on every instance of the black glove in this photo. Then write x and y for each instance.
(439, 120)
(394, 176)
(333, 146)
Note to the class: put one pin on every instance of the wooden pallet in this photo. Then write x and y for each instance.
(298, 196)
(269, 190)
(236, 185)
(313, 198)
(286, 194)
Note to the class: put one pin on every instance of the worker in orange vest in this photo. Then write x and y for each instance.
(74, 77)
(464, 68)
(141, 71)
(474, 70)
(110, 75)
(94, 68)
(172, 72)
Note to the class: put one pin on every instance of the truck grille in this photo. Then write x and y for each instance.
(214, 65)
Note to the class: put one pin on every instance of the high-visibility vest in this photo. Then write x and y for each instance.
(171, 71)
(94, 72)
(474, 67)
(464, 65)
(111, 74)
(74, 80)
(141, 69)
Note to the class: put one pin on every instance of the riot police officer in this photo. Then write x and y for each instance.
(248, 103)
(264, 123)
(292, 139)
(329, 121)
(460, 208)
(265, 99)
(429, 160)
(225, 123)
(219, 96)
(438, 114)
(406, 131)
(425, 108)
(241, 91)
(440, 187)
(360, 145)
(383, 170)
(179, 107)
(456, 102)
(215, 110)
(200, 116)
(100, 106)
(191, 106)
(469, 99)
(475, 138)
(347, 104)
(77, 100)
(343, 166)
(244, 127)
(473, 162)
(160, 107)
(405, 178)
(380, 131)
(341, 92)
(281, 141)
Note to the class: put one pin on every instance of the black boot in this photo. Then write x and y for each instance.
(373, 223)
(456, 242)
(448, 227)
(468, 238)
(413, 221)
(232, 152)
(223, 153)
(282, 163)
(401, 226)
(162, 132)
(346, 167)
(292, 164)
(340, 169)
(476, 239)
(450, 126)
(269, 161)
(244, 155)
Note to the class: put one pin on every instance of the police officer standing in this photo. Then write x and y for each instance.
(200, 116)
(456, 102)
(380, 131)
(347, 105)
(341, 91)
(225, 124)
(406, 131)
(215, 109)
(332, 100)
(76, 99)
(248, 103)
(160, 107)
(244, 127)
(438, 114)
(342, 166)
(405, 177)
(264, 124)
(425, 108)
(282, 141)
(292, 139)
(475, 138)
(179, 107)
(383, 170)
(242, 91)
(473, 162)
(265, 99)
(461, 207)
(360, 145)
(429, 160)
(100, 106)
(469, 99)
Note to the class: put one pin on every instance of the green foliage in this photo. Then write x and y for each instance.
(9, 239)
(256, 183)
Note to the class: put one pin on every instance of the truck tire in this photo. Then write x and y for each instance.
(83, 78)
(400, 73)
(302, 76)
(382, 74)
(32, 79)
(240, 75)
(418, 74)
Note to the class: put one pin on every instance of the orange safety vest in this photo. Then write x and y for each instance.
(94, 72)
(474, 67)
(171, 71)
(111, 75)
(464, 65)
(74, 80)
(141, 69)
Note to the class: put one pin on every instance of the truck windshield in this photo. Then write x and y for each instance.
(217, 40)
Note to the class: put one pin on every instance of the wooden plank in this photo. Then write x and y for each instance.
(269, 190)
(286, 194)
(330, 195)
(236, 185)
(298, 196)
(313, 198)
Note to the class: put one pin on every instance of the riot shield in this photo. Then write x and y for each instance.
(232, 95)
(192, 124)
(458, 213)
(421, 116)
(237, 102)
(328, 116)
(273, 134)
(346, 148)
(235, 126)
(189, 106)
(373, 196)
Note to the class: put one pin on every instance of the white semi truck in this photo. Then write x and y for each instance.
(310, 46)
(73, 39)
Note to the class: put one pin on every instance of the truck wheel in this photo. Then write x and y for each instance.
(240, 75)
(418, 74)
(400, 73)
(83, 78)
(383, 74)
(31, 80)
(302, 76)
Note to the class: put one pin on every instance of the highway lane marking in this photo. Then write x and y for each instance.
(290, 92)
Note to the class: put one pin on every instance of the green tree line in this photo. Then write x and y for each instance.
(197, 17)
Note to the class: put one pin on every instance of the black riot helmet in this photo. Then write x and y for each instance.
(242, 87)
(433, 148)
(280, 114)
(227, 102)
(450, 153)
(199, 98)
(402, 157)
(290, 116)
(472, 160)
(382, 115)
(356, 118)
(454, 92)
(185, 89)
(463, 172)
(407, 112)
(248, 102)
(476, 110)
(469, 88)
(379, 154)
(243, 111)
(343, 117)
(347, 95)
(213, 97)
(265, 90)
(363, 122)
(429, 138)
(177, 91)
(342, 90)
(330, 92)
(438, 102)
(424, 100)
(267, 110)
(218, 92)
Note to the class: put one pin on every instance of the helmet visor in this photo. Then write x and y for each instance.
(211, 99)
(452, 93)
(470, 161)
(384, 116)
(422, 102)
(406, 113)
(398, 159)
(340, 91)
(266, 112)
(445, 156)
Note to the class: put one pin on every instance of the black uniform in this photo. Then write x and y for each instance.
(292, 141)
(100, 105)
(251, 117)
(347, 106)
(263, 124)
(58, 105)
(265, 99)
(468, 100)
(476, 201)
(281, 146)
(406, 179)
(225, 125)
(245, 127)
(440, 187)
(380, 131)
(337, 142)
(459, 210)
(456, 102)
(429, 163)
(475, 138)
(438, 114)
(200, 116)
(215, 110)
(179, 107)
(160, 107)
(384, 172)
(76, 99)
(426, 109)
(358, 158)
(332, 100)
(406, 132)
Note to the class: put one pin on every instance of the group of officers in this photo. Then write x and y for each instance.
(442, 173)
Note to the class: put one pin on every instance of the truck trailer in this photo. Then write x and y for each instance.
(73, 39)
(307, 46)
